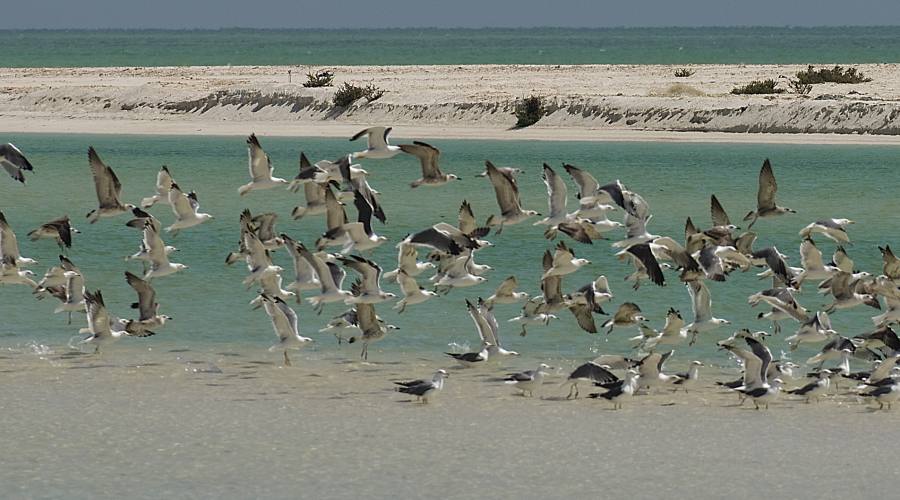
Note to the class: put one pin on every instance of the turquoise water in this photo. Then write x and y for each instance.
(209, 303)
(759, 45)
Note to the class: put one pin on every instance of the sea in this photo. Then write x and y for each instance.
(211, 308)
(240, 47)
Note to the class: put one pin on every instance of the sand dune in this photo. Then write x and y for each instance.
(583, 102)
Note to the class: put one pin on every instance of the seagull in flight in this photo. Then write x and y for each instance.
(506, 190)
(260, 166)
(14, 162)
(284, 322)
(59, 229)
(765, 197)
(378, 148)
(163, 184)
(186, 208)
(428, 156)
(833, 229)
(108, 190)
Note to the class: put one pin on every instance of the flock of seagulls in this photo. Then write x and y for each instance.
(448, 251)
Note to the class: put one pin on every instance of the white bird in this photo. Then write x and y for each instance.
(74, 298)
(424, 389)
(186, 208)
(784, 306)
(100, 321)
(533, 313)
(378, 148)
(428, 158)
(373, 329)
(359, 235)
(163, 184)
(470, 359)
(673, 332)
(108, 190)
(270, 285)
(14, 162)
(331, 277)
(506, 293)
(628, 314)
(885, 394)
(650, 369)
(9, 245)
(625, 388)
(765, 197)
(689, 378)
(260, 169)
(816, 388)
(529, 380)
(756, 361)
(407, 262)
(412, 293)
(457, 275)
(813, 266)
(149, 318)
(557, 198)
(845, 295)
(369, 287)
(305, 277)
(816, 329)
(284, 322)
(156, 253)
(488, 328)
(10, 274)
(701, 302)
(564, 262)
(833, 229)
(506, 190)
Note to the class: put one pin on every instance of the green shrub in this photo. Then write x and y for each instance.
(683, 72)
(323, 78)
(349, 93)
(836, 74)
(799, 88)
(758, 87)
(528, 111)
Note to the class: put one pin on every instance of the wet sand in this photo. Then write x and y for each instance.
(233, 424)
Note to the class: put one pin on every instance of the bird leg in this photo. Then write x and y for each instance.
(287, 360)
(70, 318)
(693, 337)
(523, 332)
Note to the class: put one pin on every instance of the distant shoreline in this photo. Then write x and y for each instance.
(584, 103)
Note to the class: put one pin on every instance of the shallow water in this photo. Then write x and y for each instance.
(209, 304)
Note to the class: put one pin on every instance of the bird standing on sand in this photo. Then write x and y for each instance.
(529, 380)
(423, 389)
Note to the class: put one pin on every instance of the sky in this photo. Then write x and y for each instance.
(49, 14)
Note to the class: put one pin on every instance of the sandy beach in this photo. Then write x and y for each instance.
(176, 424)
(591, 102)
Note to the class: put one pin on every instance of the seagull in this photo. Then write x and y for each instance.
(506, 293)
(488, 328)
(688, 378)
(589, 372)
(775, 261)
(846, 297)
(627, 314)
(73, 301)
(815, 388)
(108, 190)
(270, 285)
(833, 229)
(14, 162)
(149, 318)
(529, 380)
(650, 369)
(360, 235)
(309, 174)
(891, 264)
(816, 329)
(59, 229)
(588, 187)
(372, 328)
(156, 253)
(813, 266)
(756, 363)
(423, 389)
(470, 359)
(378, 148)
(884, 394)
(635, 231)
(284, 321)
(564, 262)
(841, 260)
(645, 264)
(370, 285)
(506, 190)
(99, 322)
(163, 184)
(428, 156)
(9, 245)
(260, 169)
(891, 296)
(314, 192)
(468, 226)
(457, 275)
(412, 292)
(701, 301)
(186, 208)
(331, 277)
(10, 274)
(593, 294)
(533, 313)
(557, 196)
(881, 338)
(765, 197)
(672, 333)
(407, 262)
(784, 306)
(305, 277)
(625, 388)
